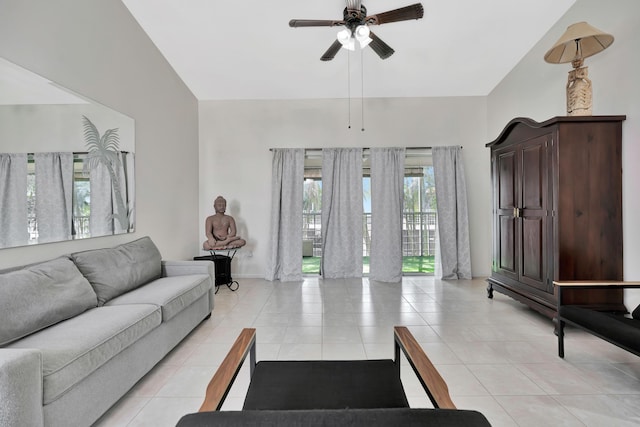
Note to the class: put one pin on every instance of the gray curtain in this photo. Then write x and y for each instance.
(129, 168)
(453, 218)
(342, 213)
(13, 200)
(101, 214)
(54, 195)
(285, 251)
(112, 194)
(120, 199)
(387, 195)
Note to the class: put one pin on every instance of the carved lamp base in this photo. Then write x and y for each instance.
(579, 93)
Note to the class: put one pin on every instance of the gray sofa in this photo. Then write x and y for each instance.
(78, 331)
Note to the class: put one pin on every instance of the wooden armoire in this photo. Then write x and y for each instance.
(557, 210)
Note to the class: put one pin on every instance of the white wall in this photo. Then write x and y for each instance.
(235, 161)
(536, 89)
(97, 49)
(36, 128)
(235, 135)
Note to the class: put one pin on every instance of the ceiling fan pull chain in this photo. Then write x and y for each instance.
(349, 84)
(362, 83)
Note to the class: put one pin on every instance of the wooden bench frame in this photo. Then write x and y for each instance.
(588, 284)
(434, 385)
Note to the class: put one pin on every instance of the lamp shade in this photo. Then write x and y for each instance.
(580, 41)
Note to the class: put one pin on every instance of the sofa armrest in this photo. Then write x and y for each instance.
(172, 268)
(21, 387)
(181, 268)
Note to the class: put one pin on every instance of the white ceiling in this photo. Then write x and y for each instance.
(229, 49)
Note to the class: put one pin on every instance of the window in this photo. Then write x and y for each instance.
(81, 199)
(419, 220)
(311, 225)
(419, 213)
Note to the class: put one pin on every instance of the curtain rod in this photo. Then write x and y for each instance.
(366, 148)
(73, 152)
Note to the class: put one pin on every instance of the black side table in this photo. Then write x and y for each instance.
(222, 260)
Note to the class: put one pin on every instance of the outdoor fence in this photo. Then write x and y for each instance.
(418, 233)
(80, 227)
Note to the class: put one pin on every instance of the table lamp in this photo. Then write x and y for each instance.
(580, 41)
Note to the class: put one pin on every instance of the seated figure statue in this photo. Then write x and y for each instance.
(221, 229)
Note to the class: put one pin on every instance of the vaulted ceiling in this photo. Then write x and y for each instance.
(226, 50)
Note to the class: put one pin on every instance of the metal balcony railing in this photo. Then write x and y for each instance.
(80, 227)
(418, 233)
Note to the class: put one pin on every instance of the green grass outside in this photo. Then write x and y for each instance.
(410, 264)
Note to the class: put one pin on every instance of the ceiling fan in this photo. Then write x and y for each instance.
(356, 22)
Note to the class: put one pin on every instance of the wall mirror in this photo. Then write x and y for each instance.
(66, 163)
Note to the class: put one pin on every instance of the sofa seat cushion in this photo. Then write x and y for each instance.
(612, 327)
(114, 271)
(73, 349)
(40, 295)
(172, 294)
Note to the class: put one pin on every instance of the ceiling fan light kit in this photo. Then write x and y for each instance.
(356, 24)
(362, 35)
(346, 40)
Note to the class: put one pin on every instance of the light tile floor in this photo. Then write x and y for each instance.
(496, 355)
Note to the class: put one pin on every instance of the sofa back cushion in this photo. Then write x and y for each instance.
(114, 271)
(40, 295)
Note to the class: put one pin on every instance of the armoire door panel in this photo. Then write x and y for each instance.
(533, 271)
(506, 169)
(534, 202)
(534, 174)
(507, 247)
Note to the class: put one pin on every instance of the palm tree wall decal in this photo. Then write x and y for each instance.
(104, 150)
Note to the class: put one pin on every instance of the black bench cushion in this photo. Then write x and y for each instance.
(616, 328)
(345, 417)
(291, 385)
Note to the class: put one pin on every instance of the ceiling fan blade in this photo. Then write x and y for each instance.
(381, 48)
(297, 23)
(415, 11)
(332, 51)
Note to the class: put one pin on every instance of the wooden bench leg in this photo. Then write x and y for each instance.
(560, 333)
